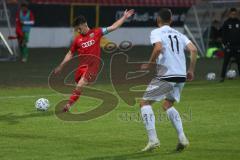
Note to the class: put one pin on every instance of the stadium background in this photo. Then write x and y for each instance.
(52, 34)
(210, 110)
(53, 19)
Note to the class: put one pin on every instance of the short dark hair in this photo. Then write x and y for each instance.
(24, 4)
(165, 14)
(79, 20)
(233, 10)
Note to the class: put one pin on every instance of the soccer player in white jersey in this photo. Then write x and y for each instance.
(169, 46)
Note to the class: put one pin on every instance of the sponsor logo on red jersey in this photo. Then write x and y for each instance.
(88, 43)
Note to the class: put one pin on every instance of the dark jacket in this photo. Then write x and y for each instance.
(230, 32)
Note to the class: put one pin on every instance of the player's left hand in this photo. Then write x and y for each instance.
(57, 70)
(145, 66)
(190, 76)
(128, 14)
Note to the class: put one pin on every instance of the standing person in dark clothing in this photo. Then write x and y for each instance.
(215, 33)
(231, 39)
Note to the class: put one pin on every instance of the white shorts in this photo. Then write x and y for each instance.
(166, 90)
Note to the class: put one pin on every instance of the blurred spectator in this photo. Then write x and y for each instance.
(24, 22)
(215, 35)
(230, 32)
(214, 39)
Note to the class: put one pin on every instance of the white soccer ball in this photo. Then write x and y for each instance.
(42, 104)
(211, 76)
(231, 74)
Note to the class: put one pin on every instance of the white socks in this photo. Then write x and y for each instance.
(149, 121)
(176, 121)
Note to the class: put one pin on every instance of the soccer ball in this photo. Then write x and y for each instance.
(42, 104)
(231, 74)
(211, 76)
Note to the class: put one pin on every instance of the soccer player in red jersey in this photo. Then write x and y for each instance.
(87, 43)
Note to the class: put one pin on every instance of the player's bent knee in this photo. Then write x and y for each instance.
(143, 103)
(81, 83)
(167, 104)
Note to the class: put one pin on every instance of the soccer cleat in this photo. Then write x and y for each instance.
(151, 146)
(182, 144)
(66, 108)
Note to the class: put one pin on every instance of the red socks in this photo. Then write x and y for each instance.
(74, 97)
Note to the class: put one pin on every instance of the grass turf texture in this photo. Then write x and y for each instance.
(210, 112)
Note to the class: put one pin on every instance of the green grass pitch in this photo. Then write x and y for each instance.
(210, 113)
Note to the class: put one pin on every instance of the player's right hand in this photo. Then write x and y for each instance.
(190, 76)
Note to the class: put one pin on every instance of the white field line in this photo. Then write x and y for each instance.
(198, 88)
(59, 94)
(212, 88)
(29, 96)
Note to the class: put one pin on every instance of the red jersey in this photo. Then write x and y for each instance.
(88, 43)
(84, 45)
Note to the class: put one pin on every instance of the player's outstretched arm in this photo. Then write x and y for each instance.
(66, 59)
(119, 22)
(155, 53)
(193, 59)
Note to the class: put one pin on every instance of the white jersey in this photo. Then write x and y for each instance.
(173, 46)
